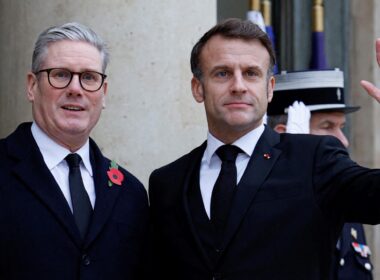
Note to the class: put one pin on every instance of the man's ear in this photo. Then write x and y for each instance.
(197, 90)
(280, 128)
(270, 88)
(31, 84)
(105, 87)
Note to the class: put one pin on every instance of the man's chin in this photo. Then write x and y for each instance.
(75, 129)
(243, 123)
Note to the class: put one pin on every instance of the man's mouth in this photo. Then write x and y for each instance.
(237, 104)
(72, 108)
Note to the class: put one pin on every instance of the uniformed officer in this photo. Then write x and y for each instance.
(313, 102)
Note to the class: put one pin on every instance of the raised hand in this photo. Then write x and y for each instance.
(298, 118)
(371, 89)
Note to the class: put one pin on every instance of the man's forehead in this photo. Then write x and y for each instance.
(227, 50)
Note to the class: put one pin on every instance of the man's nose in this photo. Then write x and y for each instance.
(238, 85)
(75, 86)
(340, 135)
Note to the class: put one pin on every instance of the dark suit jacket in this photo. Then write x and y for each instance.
(286, 217)
(38, 235)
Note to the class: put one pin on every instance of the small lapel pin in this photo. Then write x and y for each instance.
(267, 156)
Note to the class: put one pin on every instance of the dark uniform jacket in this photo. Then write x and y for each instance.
(287, 212)
(351, 259)
(38, 235)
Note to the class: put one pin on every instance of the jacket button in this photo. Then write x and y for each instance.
(368, 266)
(341, 262)
(86, 260)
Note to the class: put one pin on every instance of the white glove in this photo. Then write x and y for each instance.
(298, 119)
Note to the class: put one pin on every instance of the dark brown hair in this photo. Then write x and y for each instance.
(235, 29)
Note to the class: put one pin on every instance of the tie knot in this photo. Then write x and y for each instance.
(73, 160)
(228, 152)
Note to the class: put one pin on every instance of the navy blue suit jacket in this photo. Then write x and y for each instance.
(287, 213)
(38, 235)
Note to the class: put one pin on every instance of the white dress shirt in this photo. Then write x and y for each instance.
(211, 164)
(54, 157)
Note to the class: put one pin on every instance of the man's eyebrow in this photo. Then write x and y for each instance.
(221, 66)
(326, 122)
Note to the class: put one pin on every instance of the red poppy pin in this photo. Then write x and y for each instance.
(114, 175)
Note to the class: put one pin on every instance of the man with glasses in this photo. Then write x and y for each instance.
(66, 211)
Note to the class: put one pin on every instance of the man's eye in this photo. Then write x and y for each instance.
(222, 74)
(60, 74)
(251, 73)
(87, 76)
(327, 127)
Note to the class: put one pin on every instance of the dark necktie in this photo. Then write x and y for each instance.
(82, 209)
(223, 191)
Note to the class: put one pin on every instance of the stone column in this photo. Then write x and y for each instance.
(151, 117)
(366, 126)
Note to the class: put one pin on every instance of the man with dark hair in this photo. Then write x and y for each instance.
(313, 102)
(66, 211)
(251, 203)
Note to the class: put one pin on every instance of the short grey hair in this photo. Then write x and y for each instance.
(72, 31)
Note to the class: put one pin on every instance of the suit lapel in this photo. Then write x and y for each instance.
(33, 172)
(194, 165)
(105, 196)
(263, 158)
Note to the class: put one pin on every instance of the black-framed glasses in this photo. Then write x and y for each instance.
(60, 78)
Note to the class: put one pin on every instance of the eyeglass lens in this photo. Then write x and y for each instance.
(89, 80)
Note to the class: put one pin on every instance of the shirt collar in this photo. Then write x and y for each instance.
(54, 153)
(247, 143)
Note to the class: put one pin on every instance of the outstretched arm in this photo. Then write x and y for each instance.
(371, 89)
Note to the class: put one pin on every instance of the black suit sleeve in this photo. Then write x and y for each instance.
(343, 188)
